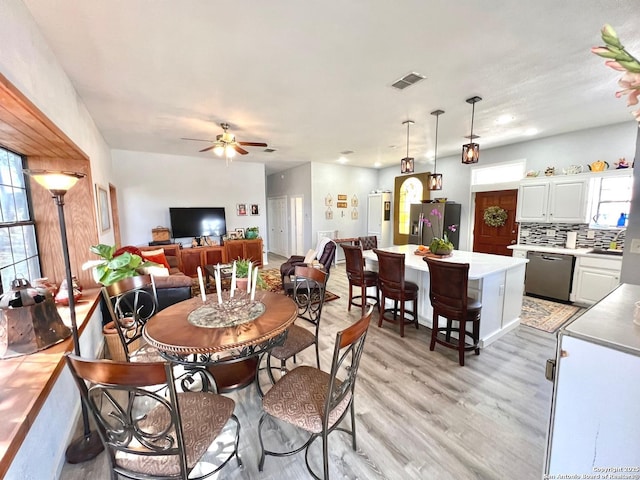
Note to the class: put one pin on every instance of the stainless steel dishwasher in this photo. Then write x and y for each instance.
(549, 275)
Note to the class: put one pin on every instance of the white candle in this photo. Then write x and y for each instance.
(218, 284)
(201, 282)
(233, 280)
(249, 279)
(255, 282)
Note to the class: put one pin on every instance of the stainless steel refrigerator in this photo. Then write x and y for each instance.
(420, 233)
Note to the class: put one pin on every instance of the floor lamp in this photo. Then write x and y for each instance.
(59, 183)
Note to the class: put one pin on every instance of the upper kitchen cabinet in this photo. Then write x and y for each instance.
(565, 199)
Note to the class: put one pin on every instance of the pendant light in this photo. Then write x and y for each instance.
(406, 164)
(471, 150)
(435, 180)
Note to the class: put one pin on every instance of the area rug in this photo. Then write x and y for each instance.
(546, 315)
(272, 278)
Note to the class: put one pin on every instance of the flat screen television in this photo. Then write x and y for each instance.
(198, 222)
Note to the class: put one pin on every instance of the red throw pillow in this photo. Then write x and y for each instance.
(156, 256)
(128, 248)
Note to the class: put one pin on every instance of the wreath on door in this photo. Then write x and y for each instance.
(495, 216)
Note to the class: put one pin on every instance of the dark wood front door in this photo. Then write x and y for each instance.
(487, 239)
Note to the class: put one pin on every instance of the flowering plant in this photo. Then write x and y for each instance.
(622, 61)
(438, 243)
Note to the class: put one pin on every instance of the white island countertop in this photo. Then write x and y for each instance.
(480, 264)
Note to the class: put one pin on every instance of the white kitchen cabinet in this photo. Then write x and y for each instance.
(594, 278)
(563, 199)
(594, 410)
(379, 218)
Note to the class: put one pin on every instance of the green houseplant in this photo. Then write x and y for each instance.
(112, 268)
(242, 269)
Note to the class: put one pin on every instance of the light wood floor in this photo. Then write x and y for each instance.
(419, 414)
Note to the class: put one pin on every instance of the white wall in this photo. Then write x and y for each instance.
(30, 65)
(149, 183)
(579, 148)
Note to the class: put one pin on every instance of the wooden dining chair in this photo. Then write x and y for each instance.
(359, 277)
(131, 302)
(392, 285)
(148, 429)
(316, 401)
(308, 292)
(448, 285)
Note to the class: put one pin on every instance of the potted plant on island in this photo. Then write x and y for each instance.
(242, 270)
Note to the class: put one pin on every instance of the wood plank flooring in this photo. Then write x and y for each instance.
(419, 415)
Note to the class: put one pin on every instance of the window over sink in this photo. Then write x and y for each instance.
(611, 200)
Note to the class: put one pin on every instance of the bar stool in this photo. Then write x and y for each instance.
(448, 294)
(392, 285)
(359, 277)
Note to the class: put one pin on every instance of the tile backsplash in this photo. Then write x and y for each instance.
(536, 234)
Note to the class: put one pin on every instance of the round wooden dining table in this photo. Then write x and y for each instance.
(231, 353)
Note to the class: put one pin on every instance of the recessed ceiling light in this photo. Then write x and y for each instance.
(531, 131)
(504, 119)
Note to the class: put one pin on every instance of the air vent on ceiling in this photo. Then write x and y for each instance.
(407, 80)
(269, 150)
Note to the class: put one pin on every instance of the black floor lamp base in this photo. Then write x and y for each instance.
(84, 448)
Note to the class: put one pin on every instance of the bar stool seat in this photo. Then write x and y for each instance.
(392, 285)
(448, 294)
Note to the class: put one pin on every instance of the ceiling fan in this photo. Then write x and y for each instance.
(226, 144)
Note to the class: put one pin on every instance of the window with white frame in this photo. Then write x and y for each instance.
(18, 247)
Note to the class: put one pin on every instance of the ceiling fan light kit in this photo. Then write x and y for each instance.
(406, 164)
(226, 144)
(435, 180)
(471, 150)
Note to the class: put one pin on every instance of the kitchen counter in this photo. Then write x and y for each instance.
(576, 252)
(496, 280)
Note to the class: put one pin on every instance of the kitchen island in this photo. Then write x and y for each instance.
(497, 281)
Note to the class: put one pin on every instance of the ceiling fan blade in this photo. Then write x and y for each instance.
(197, 139)
(252, 144)
(207, 149)
(240, 150)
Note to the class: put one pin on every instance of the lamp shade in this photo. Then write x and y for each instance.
(58, 183)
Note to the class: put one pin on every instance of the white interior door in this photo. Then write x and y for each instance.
(277, 220)
(297, 226)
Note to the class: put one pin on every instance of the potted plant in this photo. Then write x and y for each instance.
(242, 270)
(112, 268)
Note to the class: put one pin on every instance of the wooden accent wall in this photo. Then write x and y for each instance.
(24, 129)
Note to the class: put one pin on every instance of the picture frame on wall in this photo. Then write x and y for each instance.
(241, 209)
(104, 215)
(239, 233)
(255, 210)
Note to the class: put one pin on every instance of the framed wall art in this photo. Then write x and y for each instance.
(104, 215)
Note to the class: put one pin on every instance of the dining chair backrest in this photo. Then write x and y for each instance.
(308, 292)
(390, 270)
(354, 263)
(347, 352)
(368, 243)
(135, 408)
(448, 284)
(131, 302)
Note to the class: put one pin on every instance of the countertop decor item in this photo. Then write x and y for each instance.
(621, 60)
(495, 216)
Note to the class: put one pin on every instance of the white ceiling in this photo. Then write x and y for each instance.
(312, 79)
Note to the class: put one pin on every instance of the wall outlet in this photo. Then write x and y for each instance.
(635, 245)
(551, 233)
(591, 234)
